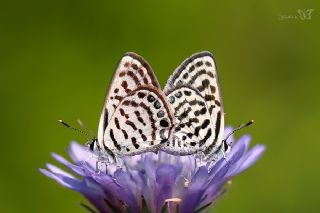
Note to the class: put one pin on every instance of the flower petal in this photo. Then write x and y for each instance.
(129, 192)
(166, 175)
(80, 154)
(251, 157)
(76, 169)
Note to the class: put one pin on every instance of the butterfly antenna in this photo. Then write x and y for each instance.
(83, 126)
(75, 129)
(238, 128)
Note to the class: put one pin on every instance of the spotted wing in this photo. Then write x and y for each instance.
(132, 71)
(199, 72)
(194, 129)
(142, 121)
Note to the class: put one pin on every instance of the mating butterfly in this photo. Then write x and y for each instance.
(194, 94)
(136, 116)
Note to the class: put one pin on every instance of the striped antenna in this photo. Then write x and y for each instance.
(238, 128)
(90, 137)
(83, 126)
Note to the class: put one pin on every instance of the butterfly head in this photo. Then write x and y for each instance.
(93, 145)
(226, 147)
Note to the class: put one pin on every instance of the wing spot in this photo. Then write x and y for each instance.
(205, 83)
(122, 113)
(199, 63)
(125, 134)
(151, 98)
(203, 111)
(205, 124)
(157, 105)
(124, 84)
(178, 94)
(162, 136)
(130, 123)
(160, 114)
(134, 66)
(187, 93)
(121, 74)
(185, 76)
(209, 97)
(117, 123)
(141, 95)
(191, 69)
(208, 64)
(213, 89)
(115, 143)
(164, 123)
(134, 142)
(171, 99)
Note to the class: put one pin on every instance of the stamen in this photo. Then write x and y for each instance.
(186, 183)
(175, 200)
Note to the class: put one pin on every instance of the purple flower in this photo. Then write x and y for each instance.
(152, 182)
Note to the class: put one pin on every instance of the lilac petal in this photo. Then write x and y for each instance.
(57, 170)
(242, 141)
(149, 178)
(200, 178)
(251, 157)
(191, 200)
(236, 152)
(193, 194)
(212, 193)
(80, 154)
(128, 192)
(242, 144)
(94, 193)
(111, 189)
(76, 169)
(65, 181)
(166, 175)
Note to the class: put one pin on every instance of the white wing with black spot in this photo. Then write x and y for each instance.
(194, 130)
(132, 72)
(199, 72)
(142, 122)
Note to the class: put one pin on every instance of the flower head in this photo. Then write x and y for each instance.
(151, 181)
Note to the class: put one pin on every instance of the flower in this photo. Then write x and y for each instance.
(151, 182)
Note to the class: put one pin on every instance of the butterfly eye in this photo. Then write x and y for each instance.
(92, 145)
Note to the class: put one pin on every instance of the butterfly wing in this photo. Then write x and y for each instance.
(194, 129)
(142, 121)
(132, 71)
(199, 72)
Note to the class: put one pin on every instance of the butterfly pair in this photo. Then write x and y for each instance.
(185, 118)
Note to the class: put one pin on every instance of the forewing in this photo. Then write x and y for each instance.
(142, 121)
(199, 71)
(132, 72)
(194, 129)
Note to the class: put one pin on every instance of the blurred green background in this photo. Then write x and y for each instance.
(57, 58)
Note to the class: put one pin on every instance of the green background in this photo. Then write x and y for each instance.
(57, 58)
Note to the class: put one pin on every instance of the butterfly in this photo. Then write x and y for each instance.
(136, 116)
(186, 118)
(194, 94)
